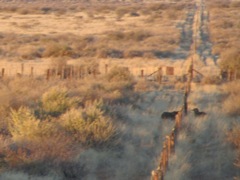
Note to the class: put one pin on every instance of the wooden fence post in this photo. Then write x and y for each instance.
(22, 68)
(142, 73)
(172, 140)
(62, 72)
(159, 75)
(106, 68)
(155, 175)
(31, 72)
(165, 158)
(169, 146)
(48, 74)
(3, 72)
(185, 105)
(71, 72)
(178, 121)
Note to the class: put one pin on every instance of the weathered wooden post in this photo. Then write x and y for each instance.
(3, 72)
(71, 72)
(22, 68)
(173, 139)
(78, 72)
(31, 72)
(155, 175)
(48, 74)
(159, 75)
(165, 158)
(94, 73)
(106, 68)
(177, 120)
(185, 105)
(62, 72)
(169, 146)
(142, 73)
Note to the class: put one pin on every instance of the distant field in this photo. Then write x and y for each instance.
(224, 18)
(119, 30)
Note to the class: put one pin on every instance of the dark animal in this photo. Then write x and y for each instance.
(198, 113)
(169, 115)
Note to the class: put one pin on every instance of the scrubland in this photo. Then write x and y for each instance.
(109, 126)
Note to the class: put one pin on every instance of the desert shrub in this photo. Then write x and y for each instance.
(233, 137)
(225, 24)
(23, 11)
(230, 59)
(56, 101)
(54, 49)
(90, 125)
(23, 125)
(134, 14)
(211, 80)
(119, 74)
(131, 35)
(235, 4)
(116, 35)
(144, 85)
(46, 10)
(121, 11)
(105, 52)
(58, 62)
(29, 52)
(133, 53)
(138, 35)
(35, 156)
(231, 104)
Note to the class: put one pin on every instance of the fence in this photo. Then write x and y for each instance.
(78, 71)
(171, 139)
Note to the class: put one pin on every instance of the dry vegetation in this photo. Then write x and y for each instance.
(224, 25)
(49, 127)
(225, 34)
(43, 130)
(108, 30)
(45, 126)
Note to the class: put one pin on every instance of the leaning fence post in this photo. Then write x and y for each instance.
(165, 159)
(155, 175)
(169, 147)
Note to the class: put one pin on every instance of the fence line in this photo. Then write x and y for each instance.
(170, 140)
(79, 71)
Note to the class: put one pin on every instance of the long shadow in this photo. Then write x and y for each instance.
(205, 48)
(186, 40)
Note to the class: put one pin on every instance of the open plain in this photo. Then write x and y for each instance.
(83, 85)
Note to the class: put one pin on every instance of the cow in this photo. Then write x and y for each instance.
(169, 115)
(198, 113)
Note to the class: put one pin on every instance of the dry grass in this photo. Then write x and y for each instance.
(224, 25)
(231, 104)
(39, 132)
(62, 30)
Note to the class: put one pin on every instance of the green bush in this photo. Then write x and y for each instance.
(55, 102)
(119, 74)
(23, 125)
(90, 126)
(54, 49)
(230, 59)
